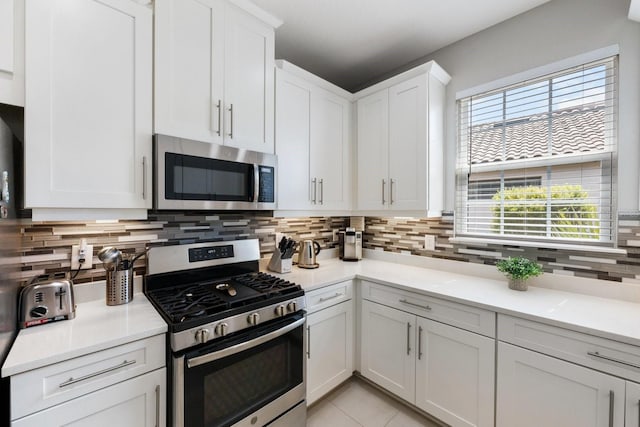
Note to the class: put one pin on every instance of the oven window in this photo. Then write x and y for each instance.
(199, 178)
(224, 391)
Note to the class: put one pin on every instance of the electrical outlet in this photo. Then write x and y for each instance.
(430, 242)
(79, 252)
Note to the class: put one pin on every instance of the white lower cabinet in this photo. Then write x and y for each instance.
(446, 371)
(455, 374)
(329, 349)
(329, 339)
(537, 390)
(387, 349)
(138, 402)
(632, 417)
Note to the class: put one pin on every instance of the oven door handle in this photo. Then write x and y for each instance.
(200, 360)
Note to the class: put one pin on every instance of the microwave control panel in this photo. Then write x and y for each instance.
(267, 180)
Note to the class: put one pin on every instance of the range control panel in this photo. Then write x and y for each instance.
(210, 253)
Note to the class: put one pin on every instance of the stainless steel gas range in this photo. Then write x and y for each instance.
(236, 336)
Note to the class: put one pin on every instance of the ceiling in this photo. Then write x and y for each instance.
(352, 42)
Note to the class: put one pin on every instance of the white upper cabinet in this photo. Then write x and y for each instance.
(400, 143)
(88, 114)
(214, 72)
(12, 52)
(313, 134)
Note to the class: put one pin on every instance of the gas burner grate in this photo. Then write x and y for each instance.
(267, 284)
(188, 303)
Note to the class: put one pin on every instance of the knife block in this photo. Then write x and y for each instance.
(278, 264)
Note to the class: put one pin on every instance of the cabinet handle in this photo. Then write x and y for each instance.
(391, 181)
(321, 182)
(408, 337)
(611, 396)
(383, 184)
(424, 307)
(323, 299)
(611, 359)
(95, 374)
(157, 406)
(313, 182)
(231, 121)
(419, 342)
(144, 178)
(219, 107)
(308, 342)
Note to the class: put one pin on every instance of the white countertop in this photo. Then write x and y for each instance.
(604, 317)
(95, 327)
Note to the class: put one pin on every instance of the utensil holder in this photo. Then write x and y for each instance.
(119, 286)
(278, 264)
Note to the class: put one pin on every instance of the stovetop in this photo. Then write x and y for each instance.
(188, 305)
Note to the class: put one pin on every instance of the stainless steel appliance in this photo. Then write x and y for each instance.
(350, 243)
(47, 298)
(202, 176)
(307, 253)
(236, 336)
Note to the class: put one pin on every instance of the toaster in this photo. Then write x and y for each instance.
(45, 299)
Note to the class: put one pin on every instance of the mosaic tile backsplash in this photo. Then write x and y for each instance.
(46, 246)
(406, 235)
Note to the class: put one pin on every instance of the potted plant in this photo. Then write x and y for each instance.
(518, 270)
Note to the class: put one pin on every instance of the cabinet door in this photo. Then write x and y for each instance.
(388, 349)
(12, 52)
(633, 405)
(329, 349)
(408, 144)
(189, 68)
(88, 88)
(373, 151)
(293, 109)
(536, 390)
(329, 149)
(139, 402)
(249, 81)
(455, 374)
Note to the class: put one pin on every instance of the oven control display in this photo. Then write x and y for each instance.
(212, 252)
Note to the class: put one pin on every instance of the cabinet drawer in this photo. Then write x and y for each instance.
(463, 316)
(51, 385)
(605, 355)
(328, 296)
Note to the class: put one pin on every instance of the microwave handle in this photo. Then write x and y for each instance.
(256, 182)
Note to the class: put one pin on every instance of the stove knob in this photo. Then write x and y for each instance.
(202, 336)
(221, 329)
(253, 319)
(280, 310)
(292, 306)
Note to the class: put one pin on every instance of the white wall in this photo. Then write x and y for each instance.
(552, 32)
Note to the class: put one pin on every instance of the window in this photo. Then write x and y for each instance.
(536, 160)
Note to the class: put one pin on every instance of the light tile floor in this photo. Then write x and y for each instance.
(357, 404)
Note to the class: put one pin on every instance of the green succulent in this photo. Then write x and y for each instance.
(519, 268)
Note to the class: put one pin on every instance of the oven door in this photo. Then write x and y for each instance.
(247, 380)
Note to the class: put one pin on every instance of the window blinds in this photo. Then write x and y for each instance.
(537, 160)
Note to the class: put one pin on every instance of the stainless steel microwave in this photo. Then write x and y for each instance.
(195, 175)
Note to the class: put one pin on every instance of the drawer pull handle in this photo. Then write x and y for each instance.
(611, 397)
(424, 307)
(611, 359)
(419, 342)
(308, 342)
(337, 295)
(95, 374)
